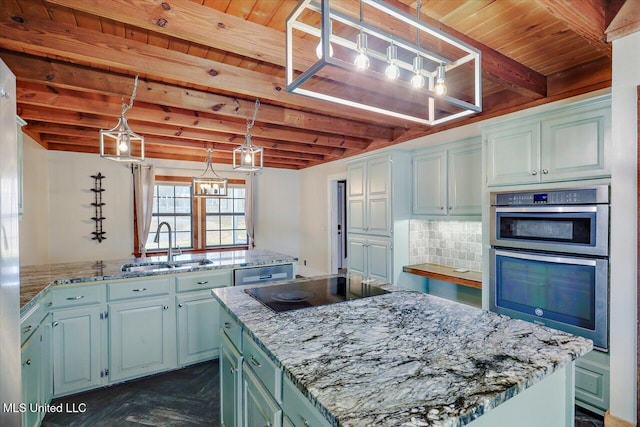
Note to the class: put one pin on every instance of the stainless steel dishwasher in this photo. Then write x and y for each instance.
(262, 274)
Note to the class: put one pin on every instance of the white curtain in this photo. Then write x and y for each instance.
(249, 207)
(143, 185)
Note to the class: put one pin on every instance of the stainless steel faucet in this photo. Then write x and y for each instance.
(157, 239)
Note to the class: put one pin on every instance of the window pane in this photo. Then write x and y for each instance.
(172, 204)
(183, 191)
(183, 239)
(165, 191)
(239, 223)
(213, 205)
(183, 206)
(226, 205)
(239, 193)
(241, 237)
(239, 205)
(226, 237)
(213, 238)
(225, 224)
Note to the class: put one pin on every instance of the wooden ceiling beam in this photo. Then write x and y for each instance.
(35, 94)
(78, 44)
(80, 78)
(585, 17)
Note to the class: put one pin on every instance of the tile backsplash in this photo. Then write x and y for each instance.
(451, 243)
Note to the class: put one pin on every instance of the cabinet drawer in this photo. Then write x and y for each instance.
(231, 329)
(200, 281)
(264, 368)
(592, 383)
(138, 288)
(299, 409)
(31, 320)
(75, 296)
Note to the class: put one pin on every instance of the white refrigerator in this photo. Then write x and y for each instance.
(10, 363)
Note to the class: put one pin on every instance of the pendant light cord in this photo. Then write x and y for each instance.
(126, 107)
(418, 7)
(251, 122)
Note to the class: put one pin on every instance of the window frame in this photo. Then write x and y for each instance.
(198, 219)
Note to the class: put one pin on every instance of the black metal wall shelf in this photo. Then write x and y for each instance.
(97, 189)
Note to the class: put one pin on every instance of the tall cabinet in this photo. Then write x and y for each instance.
(378, 211)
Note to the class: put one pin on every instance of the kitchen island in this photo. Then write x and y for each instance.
(412, 359)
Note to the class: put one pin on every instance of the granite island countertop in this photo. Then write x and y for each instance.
(34, 279)
(404, 358)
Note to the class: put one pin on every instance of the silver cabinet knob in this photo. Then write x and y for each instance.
(534, 172)
(28, 362)
(139, 290)
(166, 307)
(180, 305)
(204, 282)
(227, 325)
(545, 171)
(255, 363)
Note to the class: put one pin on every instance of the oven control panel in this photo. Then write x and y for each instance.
(578, 196)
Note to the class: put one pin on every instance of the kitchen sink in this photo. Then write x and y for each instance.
(160, 266)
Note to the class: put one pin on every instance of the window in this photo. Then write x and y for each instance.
(197, 223)
(225, 224)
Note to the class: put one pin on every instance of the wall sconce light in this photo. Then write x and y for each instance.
(213, 186)
(248, 157)
(121, 143)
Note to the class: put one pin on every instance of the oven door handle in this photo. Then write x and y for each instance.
(547, 258)
(546, 209)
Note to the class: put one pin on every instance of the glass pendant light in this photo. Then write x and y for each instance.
(417, 81)
(319, 47)
(392, 71)
(248, 157)
(362, 60)
(120, 143)
(213, 186)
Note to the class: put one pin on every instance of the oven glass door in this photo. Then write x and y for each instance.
(563, 292)
(559, 229)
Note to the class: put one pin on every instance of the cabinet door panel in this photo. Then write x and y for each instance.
(31, 371)
(230, 384)
(357, 256)
(356, 180)
(142, 337)
(259, 408)
(378, 177)
(513, 155)
(198, 327)
(77, 347)
(379, 260)
(429, 183)
(465, 180)
(574, 147)
(356, 219)
(379, 217)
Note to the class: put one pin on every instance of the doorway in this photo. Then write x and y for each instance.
(341, 224)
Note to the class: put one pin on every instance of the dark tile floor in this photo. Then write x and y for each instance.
(187, 397)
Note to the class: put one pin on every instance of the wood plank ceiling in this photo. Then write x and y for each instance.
(202, 64)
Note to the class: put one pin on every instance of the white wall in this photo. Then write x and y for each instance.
(34, 222)
(56, 225)
(624, 215)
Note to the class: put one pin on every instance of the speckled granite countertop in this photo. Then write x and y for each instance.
(404, 358)
(35, 278)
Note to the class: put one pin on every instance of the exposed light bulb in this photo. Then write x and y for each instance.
(319, 50)
(362, 60)
(122, 144)
(247, 158)
(417, 81)
(440, 88)
(392, 71)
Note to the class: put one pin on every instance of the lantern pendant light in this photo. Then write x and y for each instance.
(120, 143)
(248, 157)
(213, 186)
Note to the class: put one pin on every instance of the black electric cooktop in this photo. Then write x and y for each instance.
(297, 295)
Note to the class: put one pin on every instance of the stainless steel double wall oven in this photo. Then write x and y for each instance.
(550, 258)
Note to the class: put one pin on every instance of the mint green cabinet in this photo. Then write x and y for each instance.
(197, 327)
(370, 257)
(78, 349)
(447, 180)
(37, 386)
(592, 382)
(142, 337)
(259, 407)
(299, 411)
(230, 383)
(568, 143)
(369, 196)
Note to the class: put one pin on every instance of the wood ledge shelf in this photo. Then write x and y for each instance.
(471, 278)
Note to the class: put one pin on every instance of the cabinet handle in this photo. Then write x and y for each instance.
(75, 298)
(180, 305)
(304, 421)
(139, 290)
(166, 307)
(27, 329)
(545, 171)
(450, 208)
(28, 362)
(441, 208)
(233, 370)
(55, 323)
(255, 363)
(534, 172)
(227, 325)
(204, 282)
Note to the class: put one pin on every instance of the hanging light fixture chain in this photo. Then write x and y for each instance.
(418, 7)
(251, 122)
(126, 107)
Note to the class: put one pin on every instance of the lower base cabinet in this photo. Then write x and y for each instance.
(78, 350)
(230, 383)
(37, 387)
(197, 317)
(253, 390)
(142, 337)
(592, 382)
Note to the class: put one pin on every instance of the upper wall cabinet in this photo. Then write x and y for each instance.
(447, 180)
(369, 196)
(566, 144)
